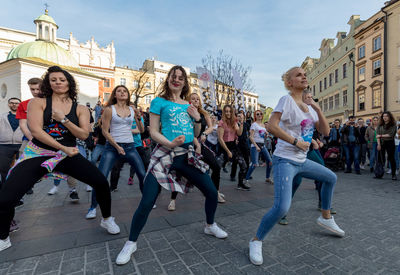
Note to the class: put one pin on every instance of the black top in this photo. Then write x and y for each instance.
(56, 129)
(203, 123)
(97, 132)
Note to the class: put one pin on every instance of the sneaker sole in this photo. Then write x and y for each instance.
(331, 230)
(254, 262)
(112, 233)
(211, 234)
(5, 247)
(242, 189)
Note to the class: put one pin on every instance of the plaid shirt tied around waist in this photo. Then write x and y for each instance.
(160, 164)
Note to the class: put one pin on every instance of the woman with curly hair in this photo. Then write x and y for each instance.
(385, 134)
(55, 121)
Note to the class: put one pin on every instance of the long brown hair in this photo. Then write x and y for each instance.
(391, 121)
(112, 100)
(229, 121)
(166, 92)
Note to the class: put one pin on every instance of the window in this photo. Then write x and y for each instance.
(148, 99)
(361, 101)
(254, 101)
(136, 84)
(331, 103)
(344, 70)
(106, 83)
(376, 68)
(361, 74)
(336, 101)
(313, 90)
(330, 79)
(345, 98)
(377, 43)
(123, 81)
(361, 52)
(106, 97)
(325, 104)
(148, 85)
(336, 75)
(325, 83)
(376, 96)
(3, 90)
(320, 86)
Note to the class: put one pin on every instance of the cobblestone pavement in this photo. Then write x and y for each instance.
(56, 239)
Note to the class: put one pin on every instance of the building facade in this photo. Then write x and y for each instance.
(392, 75)
(369, 60)
(331, 75)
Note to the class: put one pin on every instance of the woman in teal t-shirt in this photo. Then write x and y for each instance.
(180, 123)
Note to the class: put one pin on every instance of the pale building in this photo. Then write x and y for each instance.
(32, 58)
(392, 52)
(331, 75)
(369, 77)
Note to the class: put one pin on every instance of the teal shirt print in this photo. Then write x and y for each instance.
(174, 118)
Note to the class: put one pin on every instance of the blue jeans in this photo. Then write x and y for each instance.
(110, 155)
(254, 155)
(96, 153)
(151, 190)
(284, 172)
(352, 152)
(372, 157)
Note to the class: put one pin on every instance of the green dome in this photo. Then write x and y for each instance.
(46, 18)
(44, 50)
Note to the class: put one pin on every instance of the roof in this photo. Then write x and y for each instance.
(46, 18)
(44, 50)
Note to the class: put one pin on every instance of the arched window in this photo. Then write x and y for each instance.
(40, 31)
(3, 90)
(46, 33)
(52, 35)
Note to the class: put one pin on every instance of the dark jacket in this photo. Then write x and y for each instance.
(345, 134)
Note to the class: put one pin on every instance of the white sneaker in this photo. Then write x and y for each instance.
(91, 214)
(89, 188)
(125, 255)
(110, 225)
(171, 206)
(53, 190)
(216, 231)
(330, 225)
(4, 244)
(362, 167)
(221, 198)
(154, 206)
(389, 171)
(255, 252)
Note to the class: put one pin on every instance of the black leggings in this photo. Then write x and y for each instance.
(389, 147)
(237, 159)
(24, 176)
(210, 159)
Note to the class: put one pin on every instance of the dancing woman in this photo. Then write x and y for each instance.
(228, 132)
(208, 155)
(173, 125)
(385, 134)
(117, 122)
(257, 135)
(55, 122)
(292, 122)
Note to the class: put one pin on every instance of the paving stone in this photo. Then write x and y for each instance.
(202, 246)
(159, 244)
(26, 272)
(228, 269)
(214, 257)
(71, 266)
(45, 266)
(24, 264)
(178, 268)
(254, 270)
(98, 267)
(150, 268)
(125, 269)
(181, 246)
(238, 259)
(96, 254)
(333, 271)
(78, 252)
(191, 257)
(202, 269)
(143, 255)
(167, 256)
(307, 270)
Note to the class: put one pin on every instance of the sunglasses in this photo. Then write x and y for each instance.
(259, 114)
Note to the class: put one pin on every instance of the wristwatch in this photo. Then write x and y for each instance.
(64, 120)
(295, 141)
(198, 121)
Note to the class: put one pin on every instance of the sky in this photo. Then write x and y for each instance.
(269, 36)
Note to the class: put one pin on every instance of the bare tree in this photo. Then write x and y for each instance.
(138, 91)
(221, 66)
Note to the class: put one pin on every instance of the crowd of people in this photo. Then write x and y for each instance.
(175, 145)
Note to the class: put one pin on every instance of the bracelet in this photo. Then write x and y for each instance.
(198, 121)
(295, 141)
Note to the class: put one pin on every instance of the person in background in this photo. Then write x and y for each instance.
(385, 134)
(370, 137)
(351, 144)
(363, 143)
(97, 111)
(334, 133)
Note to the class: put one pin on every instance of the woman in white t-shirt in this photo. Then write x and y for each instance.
(292, 122)
(257, 139)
